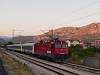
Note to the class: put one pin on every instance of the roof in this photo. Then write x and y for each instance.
(26, 44)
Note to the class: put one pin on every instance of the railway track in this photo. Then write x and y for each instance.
(58, 70)
(84, 68)
(54, 69)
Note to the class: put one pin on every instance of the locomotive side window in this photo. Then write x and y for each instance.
(64, 46)
(57, 46)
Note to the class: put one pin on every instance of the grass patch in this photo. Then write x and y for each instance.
(14, 66)
(74, 61)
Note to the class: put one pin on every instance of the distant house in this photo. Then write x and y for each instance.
(86, 45)
(74, 42)
(69, 43)
(97, 43)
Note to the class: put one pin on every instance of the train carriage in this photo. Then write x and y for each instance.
(28, 48)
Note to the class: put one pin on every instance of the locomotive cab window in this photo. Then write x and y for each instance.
(58, 46)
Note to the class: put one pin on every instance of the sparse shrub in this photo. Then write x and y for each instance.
(77, 52)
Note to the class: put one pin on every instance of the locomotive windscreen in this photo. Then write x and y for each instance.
(59, 46)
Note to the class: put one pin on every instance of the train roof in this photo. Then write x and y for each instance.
(22, 44)
(28, 44)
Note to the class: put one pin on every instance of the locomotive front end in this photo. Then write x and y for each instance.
(60, 51)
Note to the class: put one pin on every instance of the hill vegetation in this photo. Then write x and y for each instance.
(77, 53)
(86, 33)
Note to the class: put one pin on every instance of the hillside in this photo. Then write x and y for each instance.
(2, 41)
(22, 39)
(5, 38)
(87, 32)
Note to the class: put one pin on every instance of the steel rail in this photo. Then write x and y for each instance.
(37, 62)
(84, 68)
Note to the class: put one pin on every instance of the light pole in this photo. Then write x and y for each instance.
(13, 38)
(13, 42)
(49, 35)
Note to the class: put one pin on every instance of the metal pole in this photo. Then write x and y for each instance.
(13, 39)
(52, 33)
(13, 42)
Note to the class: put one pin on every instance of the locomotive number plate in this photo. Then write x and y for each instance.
(48, 51)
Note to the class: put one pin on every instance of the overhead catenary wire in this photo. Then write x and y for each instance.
(77, 10)
(80, 18)
(20, 31)
(89, 22)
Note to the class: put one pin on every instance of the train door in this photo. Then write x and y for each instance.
(49, 49)
(53, 48)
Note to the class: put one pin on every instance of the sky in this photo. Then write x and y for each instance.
(29, 17)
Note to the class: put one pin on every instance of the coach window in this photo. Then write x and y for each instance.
(27, 47)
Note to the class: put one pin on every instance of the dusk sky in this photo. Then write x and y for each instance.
(31, 16)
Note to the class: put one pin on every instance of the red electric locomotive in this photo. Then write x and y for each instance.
(55, 50)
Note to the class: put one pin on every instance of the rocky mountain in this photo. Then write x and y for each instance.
(22, 39)
(2, 40)
(86, 33)
(5, 38)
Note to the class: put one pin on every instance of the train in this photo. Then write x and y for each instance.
(54, 50)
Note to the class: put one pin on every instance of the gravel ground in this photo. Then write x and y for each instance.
(13, 67)
(36, 69)
(67, 68)
(41, 71)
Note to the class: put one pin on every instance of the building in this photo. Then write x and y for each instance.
(97, 43)
(74, 42)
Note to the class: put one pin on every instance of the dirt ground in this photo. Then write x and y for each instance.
(14, 67)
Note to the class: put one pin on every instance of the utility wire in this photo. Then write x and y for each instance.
(80, 18)
(88, 22)
(20, 31)
(83, 17)
(77, 10)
